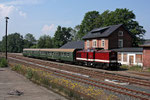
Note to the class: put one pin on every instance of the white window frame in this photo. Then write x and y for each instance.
(88, 43)
(120, 33)
(94, 43)
(103, 43)
(120, 45)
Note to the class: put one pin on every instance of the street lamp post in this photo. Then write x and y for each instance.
(6, 34)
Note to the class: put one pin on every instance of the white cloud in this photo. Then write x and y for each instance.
(23, 2)
(6, 10)
(11, 7)
(22, 14)
(49, 29)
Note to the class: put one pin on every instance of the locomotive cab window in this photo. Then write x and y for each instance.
(78, 54)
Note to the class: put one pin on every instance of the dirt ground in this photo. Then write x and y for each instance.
(11, 81)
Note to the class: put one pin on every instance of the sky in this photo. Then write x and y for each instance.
(40, 17)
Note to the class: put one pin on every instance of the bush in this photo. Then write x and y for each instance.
(45, 81)
(36, 76)
(148, 69)
(136, 68)
(17, 68)
(3, 63)
(29, 74)
(124, 67)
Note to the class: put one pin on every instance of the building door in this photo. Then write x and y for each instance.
(131, 60)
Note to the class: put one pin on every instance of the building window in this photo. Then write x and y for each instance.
(94, 43)
(120, 43)
(88, 44)
(138, 58)
(119, 56)
(103, 43)
(124, 57)
(120, 33)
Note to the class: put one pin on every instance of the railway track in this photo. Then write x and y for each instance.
(141, 74)
(95, 74)
(84, 79)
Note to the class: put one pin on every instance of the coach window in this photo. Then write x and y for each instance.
(94, 43)
(88, 43)
(103, 43)
(68, 54)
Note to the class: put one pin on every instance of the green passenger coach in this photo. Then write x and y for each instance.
(54, 54)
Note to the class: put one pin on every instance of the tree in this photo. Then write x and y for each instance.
(62, 36)
(88, 23)
(74, 33)
(14, 43)
(45, 41)
(0, 46)
(119, 16)
(29, 40)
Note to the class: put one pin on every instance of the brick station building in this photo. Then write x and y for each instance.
(118, 38)
(110, 37)
(146, 54)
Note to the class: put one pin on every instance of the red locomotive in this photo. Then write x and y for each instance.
(97, 57)
(90, 57)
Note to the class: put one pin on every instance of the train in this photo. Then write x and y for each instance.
(106, 59)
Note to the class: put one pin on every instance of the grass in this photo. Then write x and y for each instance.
(29, 73)
(73, 90)
(135, 68)
(132, 68)
(148, 69)
(3, 63)
(124, 67)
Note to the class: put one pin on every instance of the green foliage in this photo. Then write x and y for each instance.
(124, 67)
(62, 36)
(148, 69)
(36, 76)
(45, 81)
(39, 78)
(3, 63)
(34, 46)
(74, 33)
(14, 43)
(16, 68)
(29, 40)
(19, 69)
(124, 16)
(0, 46)
(45, 42)
(133, 68)
(136, 68)
(29, 74)
(88, 23)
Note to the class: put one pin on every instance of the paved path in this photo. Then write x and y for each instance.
(10, 81)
